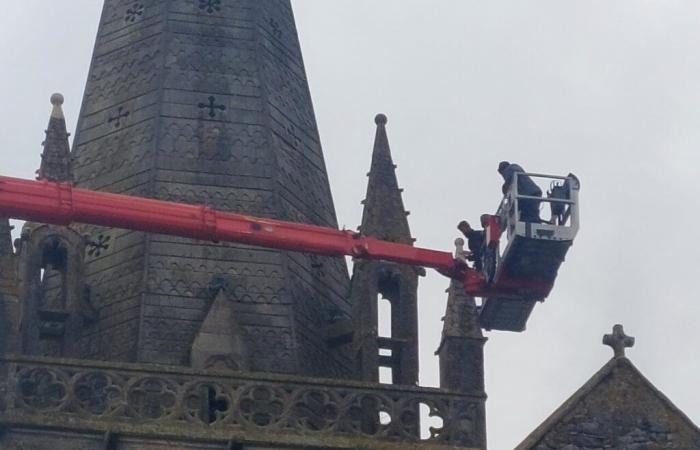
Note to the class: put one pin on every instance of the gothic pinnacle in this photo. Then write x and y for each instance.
(55, 159)
(384, 215)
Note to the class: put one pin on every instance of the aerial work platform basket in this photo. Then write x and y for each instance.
(524, 272)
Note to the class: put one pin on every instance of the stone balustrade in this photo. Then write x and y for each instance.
(181, 403)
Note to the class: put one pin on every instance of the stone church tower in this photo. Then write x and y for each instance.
(121, 340)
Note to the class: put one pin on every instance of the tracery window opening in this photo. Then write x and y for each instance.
(52, 293)
(52, 276)
(389, 293)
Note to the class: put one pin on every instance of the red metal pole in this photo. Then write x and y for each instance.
(61, 203)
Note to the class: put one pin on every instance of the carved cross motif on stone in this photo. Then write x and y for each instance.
(121, 114)
(212, 106)
(317, 265)
(618, 341)
(276, 30)
(96, 246)
(210, 6)
(135, 11)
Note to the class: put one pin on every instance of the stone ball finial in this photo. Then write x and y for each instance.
(459, 250)
(380, 119)
(57, 99)
(57, 102)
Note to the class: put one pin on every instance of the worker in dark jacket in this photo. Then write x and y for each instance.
(475, 243)
(529, 209)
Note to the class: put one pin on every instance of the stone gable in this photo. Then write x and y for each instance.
(618, 408)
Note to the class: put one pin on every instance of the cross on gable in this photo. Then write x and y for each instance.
(618, 341)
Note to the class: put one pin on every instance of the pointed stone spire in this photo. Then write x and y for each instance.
(207, 102)
(461, 349)
(461, 354)
(384, 215)
(55, 159)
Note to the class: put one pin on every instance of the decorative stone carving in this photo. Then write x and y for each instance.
(98, 393)
(210, 6)
(133, 12)
(153, 398)
(262, 406)
(182, 402)
(207, 402)
(316, 410)
(41, 389)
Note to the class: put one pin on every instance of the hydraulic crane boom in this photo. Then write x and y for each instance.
(63, 204)
(509, 284)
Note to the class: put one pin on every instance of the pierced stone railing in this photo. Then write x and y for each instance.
(180, 403)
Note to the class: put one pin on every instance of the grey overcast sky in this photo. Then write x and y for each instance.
(607, 89)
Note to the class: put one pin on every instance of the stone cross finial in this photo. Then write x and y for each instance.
(618, 340)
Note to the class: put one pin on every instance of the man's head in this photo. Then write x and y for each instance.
(464, 226)
(502, 166)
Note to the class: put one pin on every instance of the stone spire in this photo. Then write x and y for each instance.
(207, 102)
(55, 159)
(461, 354)
(461, 348)
(384, 215)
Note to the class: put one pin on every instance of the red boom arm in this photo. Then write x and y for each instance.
(61, 203)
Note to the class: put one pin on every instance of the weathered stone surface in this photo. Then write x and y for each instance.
(617, 409)
(9, 299)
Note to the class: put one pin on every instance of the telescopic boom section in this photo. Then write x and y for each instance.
(63, 204)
